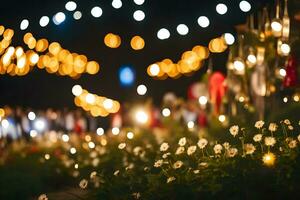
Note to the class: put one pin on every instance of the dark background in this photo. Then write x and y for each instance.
(85, 36)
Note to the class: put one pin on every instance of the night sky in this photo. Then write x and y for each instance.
(85, 36)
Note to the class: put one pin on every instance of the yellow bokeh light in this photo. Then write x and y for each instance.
(137, 43)
(112, 40)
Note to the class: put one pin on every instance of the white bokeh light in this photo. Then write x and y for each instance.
(203, 21)
(154, 69)
(96, 11)
(24, 24)
(40, 124)
(77, 15)
(141, 90)
(59, 18)
(108, 104)
(115, 131)
(130, 135)
(100, 131)
(44, 21)
(139, 2)
(72, 150)
(163, 34)
(77, 90)
(90, 98)
(166, 112)
(245, 6)
(282, 72)
(71, 6)
(182, 29)
(285, 49)
(203, 100)
(5, 123)
(65, 138)
(141, 117)
(116, 4)
(139, 15)
(229, 38)
(190, 124)
(221, 9)
(31, 116)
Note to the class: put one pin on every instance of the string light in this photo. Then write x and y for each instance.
(163, 34)
(203, 21)
(96, 12)
(154, 69)
(166, 112)
(221, 9)
(77, 15)
(182, 29)
(245, 6)
(77, 90)
(229, 38)
(285, 49)
(100, 131)
(59, 18)
(139, 15)
(44, 21)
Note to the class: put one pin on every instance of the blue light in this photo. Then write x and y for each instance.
(126, 75)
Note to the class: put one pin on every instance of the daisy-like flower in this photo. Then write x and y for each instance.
(196, 171)
(257, 137)
(259, 124)
(165, 155)
(171, 179)
(93, 175)
(273, 127)
(249, 148)
(182, 141)
(290, 127)
(202, 143)
(191, 150)
(203, 164)
(122, 145)
(43, 197)
(136, 195)
(234, 130)
(270, 141)
(298, 138)
(218, 148)
(116, 173)
(226, 145)
(179, 150)
(177, 164)
(232, 152)
(293, 144)
(164, 146)
(158, 163)
(83, 183)
(287, 122)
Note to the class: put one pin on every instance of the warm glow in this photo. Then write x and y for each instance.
(141, 90)
(166, 112)
(77, 90)
(130, 135)
(269, 159)
(203, 100)
(141, 117)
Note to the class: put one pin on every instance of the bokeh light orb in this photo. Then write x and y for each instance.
(154, 69)
(96, 12)
(100, 131)
(31, 116)
(44, 21)
(221, 9)
(24, 24)
(116, 4)
(203, 21)
(71, 6)
(112, 40)
(59, 18)
(141, 117)
(77, 90)
(139, 2)
(126, 75)
(139, 15)
(229, 38)
(141, 90)
(166, 112)
(182, 29)
(137, 43)
(245, 6)
(163, 34)
(77, 15)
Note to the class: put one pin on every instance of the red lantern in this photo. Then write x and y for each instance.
(290, 80)
(217, 90)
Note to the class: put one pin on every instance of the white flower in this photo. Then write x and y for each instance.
(249, 148)
(293, 144)
(273, 127)
(191, 150)
(202, 143)
(122, 145)
(232, 152)
(171, 179)
(226, 145)
(158, 163)
(287, 122)
(182, 141)
(164, 146)
(179, 150)
(166, 155)
(234, 130)
(257, 137)
(218, 148)
(177, 164)
(299, 138)
(83, 183)
(196, 171)
(270, 141)
(116, 173)
(203, 164)
(43, 197)
(259, 124)
(290, 127)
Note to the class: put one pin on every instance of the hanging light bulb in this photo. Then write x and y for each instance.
(285, 49)
(260, 57)
(276, 24)
(251, 58)
(267, 27)
(239, 65)
(286, 22)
